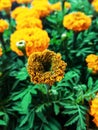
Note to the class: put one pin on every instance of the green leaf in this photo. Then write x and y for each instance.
(56, 109)
(2, 122)
(72, 120)
(2, 113)
(42, 117)
(90, 83)
(24, 120)
(26, 101)
(22, 74)
(46, 127)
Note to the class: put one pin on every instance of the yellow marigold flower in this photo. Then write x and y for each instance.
(57, 6)
(23, 1)
(31, 12)
(91, 58)
(94, 109)
(77, 21)
(67, 5)
(29, 22)
(36, 39)
(18, 10)
(92, 62)
(5, 5)
(43, 7)
(95, 4)
(1, 51)
(46, 67)
(3, 25)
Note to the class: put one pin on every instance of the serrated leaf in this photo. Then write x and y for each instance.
(70, 111)
(19, 95)
(90, 83)
(22, 74)
(42, 117)
(72, 120)
(26, 101)
(56, 109)
(23, 121)
(31, 119)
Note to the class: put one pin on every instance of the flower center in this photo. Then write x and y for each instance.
(47, 66)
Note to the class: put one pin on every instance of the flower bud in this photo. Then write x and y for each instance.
(21, 45)
(63, 36)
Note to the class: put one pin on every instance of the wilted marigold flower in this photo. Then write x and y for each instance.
(42, 7)
(29, 22)
(36, 39)
(46, 67)
(94, 109)
(3, 25)
(92, 63)
(77, 21)
(5, 5)
(95, 4)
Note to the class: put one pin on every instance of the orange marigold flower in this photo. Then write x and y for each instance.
(36, 39)
(92, 62)
(94, 109)
(95, 4)
(3, 25)
(77, 21)
(5, 5)
(29, 22)
(46, 67)
(43, 7)
(1, 51)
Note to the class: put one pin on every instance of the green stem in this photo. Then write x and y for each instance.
(2, 41)
(62, 5)
(75, 40)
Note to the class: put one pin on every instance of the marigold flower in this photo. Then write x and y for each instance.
(67, 5)
(31, 12)
(29, 22)
(23, 1)
(18, 10)
(5, 5)
(46, 67)
(36, 40)
(76, 21)
(43, 7)
(3, 25)
(95, 4)
(57, 6)
(1, 51)
(94, 109)
(92, 62)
